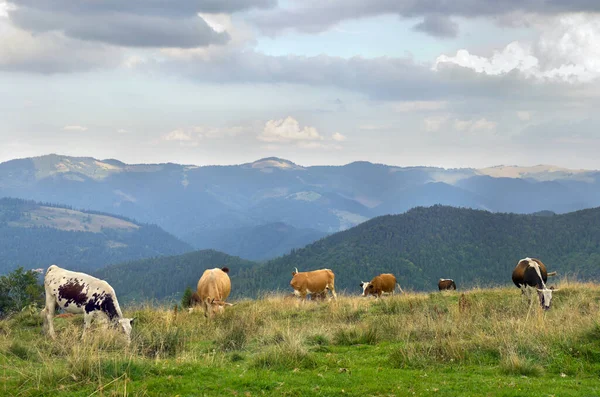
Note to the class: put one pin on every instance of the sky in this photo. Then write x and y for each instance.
(467, 83)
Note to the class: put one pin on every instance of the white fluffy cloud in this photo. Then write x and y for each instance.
(567, 50)
(338, 137)
(288, 130)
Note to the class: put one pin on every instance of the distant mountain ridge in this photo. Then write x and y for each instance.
(188, 200)
(36, 235)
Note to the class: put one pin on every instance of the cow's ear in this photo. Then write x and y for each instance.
(132, 320)
(361, 284)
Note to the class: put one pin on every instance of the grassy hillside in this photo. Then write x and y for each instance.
(474, 343)
(34, 235)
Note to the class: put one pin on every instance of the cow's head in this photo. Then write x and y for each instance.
(218, 306)
(125, 324)
(545, 296)
(367, 287)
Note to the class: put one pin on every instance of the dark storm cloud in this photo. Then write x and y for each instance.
(438, 26)
(317, 16)
(131, 23)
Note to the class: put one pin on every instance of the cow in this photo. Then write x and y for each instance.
(446, 284)
(533, 273)
(384, 283)
(213, 289)
(314, 283)
(81, 293)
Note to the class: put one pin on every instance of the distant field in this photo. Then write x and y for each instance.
(70, 220)
(473, 343)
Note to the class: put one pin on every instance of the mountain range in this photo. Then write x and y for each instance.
(237, 208)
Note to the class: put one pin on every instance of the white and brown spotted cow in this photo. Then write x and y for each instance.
(81, 293)
(314, 283)
(213, 289)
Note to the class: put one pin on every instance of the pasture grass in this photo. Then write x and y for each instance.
(479, 342)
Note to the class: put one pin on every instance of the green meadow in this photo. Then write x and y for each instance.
(481, 342)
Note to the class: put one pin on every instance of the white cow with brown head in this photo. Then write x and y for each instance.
(213, 289)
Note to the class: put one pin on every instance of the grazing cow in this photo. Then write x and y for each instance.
(446, 283)
(213, 289)
(532, 272)
(384, 283)
(314, 283)
(81, 293)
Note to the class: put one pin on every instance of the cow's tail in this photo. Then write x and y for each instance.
(551, 274)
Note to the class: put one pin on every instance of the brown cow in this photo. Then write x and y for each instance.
(213, 289)
(315, 282)
(446, 284)
(532, 272)
(384, 283)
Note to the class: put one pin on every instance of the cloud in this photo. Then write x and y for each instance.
(74, 127)
(567, 50)
(121, 29)
(288, 130)
(313, 16)
(338, 137)
(179, 135)
(481, 125)
(51, 52)
(523, 115)
(438, 26)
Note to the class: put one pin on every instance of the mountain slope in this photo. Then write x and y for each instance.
(473, 247)
(256, 242)
(203, 201)
(470, 246)
(35, 235)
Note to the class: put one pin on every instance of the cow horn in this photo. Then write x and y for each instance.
(296, 269)
(551, 274)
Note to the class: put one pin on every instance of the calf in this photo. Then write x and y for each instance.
(532, 272)
(446, 284)
(384, 283)
(81, 293)
(315, 282)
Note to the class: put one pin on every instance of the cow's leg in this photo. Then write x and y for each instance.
(87, 322)
(332, 289)
(48, 315)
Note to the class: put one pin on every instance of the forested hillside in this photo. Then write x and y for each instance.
(33, 235)
(471, 246)
(168, 277)
(255, 243)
